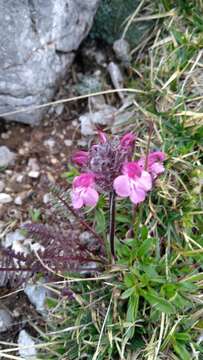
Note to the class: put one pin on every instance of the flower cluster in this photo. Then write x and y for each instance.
(108, 167)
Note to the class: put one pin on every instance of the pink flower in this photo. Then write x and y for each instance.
(128, 140)
(83, 192)
(134, 182)
(102, 137)
(80, 157)
(154, 163)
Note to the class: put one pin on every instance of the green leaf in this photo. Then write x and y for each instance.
(180, 302)
(127, 293)
(131, 316)
(132, 308)
(181, 336)
(129, 280)
(123, 219)
(100, 221)
(160, 303)
(145, 247)
(181, 351)
(144, 233)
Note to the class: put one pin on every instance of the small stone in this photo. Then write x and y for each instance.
(68, 142)
(82, 143)
(5, 136)
(7, 157)
(50, 143)
(34, 174)
(46, 198)
(2, 185)
(37, 295)
(116, 78)
(74, 123)
(26, 345)
(97, 102)
(19, 178)
(13, 239)
(59, 109)
(18, 200)
(5, 198)
(90, 120)
(54, 161)
(5, 320)
(122, 50)
(89, 84)
(9, 172)
(33, 164)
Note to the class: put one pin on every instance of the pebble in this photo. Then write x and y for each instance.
(50, 143)
(19, 178)
(33, 174)
(7, 157)
(59, 109)
(122, 50)
(5, 320)
(82, 143)
(33, 164)
(18, 200)
(37, 295)
(74, 123)
(2, 185)
(13, 239)
(5, 198)
(68, 142)
(26, 344)
(46, 198)
(116, 78)
(88, 121)
(5, 136)
(54, 161)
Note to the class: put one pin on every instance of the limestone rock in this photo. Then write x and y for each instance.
(38, 42)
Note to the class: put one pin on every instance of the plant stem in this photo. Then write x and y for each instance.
(112, 215)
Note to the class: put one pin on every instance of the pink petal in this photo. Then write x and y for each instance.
(80, 157)
(137, 195)
(121, 186)
(84, 180)
(156, 156)
(77, 201)
(128, 140)
(157, 168)
(90, 197)
(132, 169)
(102, 137)
(145, 181)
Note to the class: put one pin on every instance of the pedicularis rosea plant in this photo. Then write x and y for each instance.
(109, 168)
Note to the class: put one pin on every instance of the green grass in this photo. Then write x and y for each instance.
(150, 305)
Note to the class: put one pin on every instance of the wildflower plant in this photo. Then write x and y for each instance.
(109, 169)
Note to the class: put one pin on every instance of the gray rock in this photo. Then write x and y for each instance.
(26, 346)
(7, 157)
(90, 121)
(5, 320)
(5, 198)
(33, 174)
(2, 185)
(37, 295)
(37, 46)
(14, 239)
(122, 50)
(116, 78)
(88, 85)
